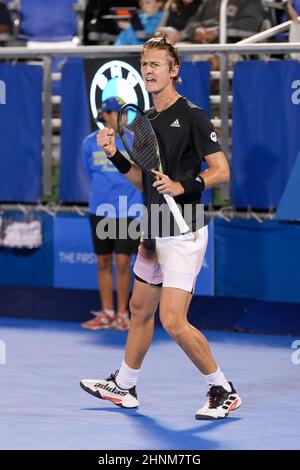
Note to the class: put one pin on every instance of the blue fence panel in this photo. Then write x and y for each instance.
(74, 183)
(75, 264)
(24, 267)
(266, 138)
(20, 132)
(258, 260)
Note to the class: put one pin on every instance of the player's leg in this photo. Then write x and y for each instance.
(105, 280)
(143, 305)
(181, 259)
(103, 249)
(124, 248)
(120, 387)
(174, 305)
(223, 398)
(123, 279)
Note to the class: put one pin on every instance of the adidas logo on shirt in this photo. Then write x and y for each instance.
(175, 123)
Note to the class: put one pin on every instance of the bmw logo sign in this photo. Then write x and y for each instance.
(117, 79)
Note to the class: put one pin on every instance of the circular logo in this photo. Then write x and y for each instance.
(214, 137)
(117, 79)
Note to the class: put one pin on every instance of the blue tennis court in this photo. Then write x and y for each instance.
(43, 407)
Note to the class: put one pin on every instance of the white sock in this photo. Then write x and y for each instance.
(217, 378)
(127, 377)
(110, 313)
(123, 314)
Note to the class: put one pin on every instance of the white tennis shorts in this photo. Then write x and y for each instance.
(178, 263)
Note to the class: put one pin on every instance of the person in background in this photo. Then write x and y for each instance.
(244, 18)
(107, 184)
(177, 13)
(149, 18)
(5, 19)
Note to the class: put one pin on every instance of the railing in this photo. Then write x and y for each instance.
(268, 33)
(223, 22)
(223, 50)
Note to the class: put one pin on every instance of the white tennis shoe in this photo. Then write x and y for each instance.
(108, 389)
(219, 404)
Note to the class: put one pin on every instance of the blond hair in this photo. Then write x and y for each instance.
(161, 42)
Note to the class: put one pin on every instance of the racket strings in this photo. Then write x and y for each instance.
(141, 141)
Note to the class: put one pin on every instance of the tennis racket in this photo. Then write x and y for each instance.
(141, 143)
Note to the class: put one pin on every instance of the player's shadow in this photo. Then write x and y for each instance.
(169, 439)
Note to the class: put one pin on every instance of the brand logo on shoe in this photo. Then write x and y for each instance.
(111, 390)
(175, 123)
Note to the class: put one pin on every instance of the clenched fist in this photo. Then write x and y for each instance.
(106, 140)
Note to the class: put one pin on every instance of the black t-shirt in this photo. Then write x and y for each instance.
(185, 136)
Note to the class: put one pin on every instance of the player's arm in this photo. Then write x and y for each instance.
(218, 170)
(205, 143)
(106, 140)
(217, 173)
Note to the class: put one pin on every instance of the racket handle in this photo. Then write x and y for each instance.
(183, 226)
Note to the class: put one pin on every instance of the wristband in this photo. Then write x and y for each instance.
(192, 185)
(120, 162)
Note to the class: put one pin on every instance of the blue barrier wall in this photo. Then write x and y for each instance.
(21, 267)
(255, 265)
(266, 123)
(75, 265)
(66, 258)
(258, 260)
(20, 132)
(244, 259)
(289, 207)
(74, 184)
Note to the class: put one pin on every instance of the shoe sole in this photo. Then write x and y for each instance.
(211, 418)
(97, 395)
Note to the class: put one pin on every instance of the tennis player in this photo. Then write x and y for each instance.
(167, 275)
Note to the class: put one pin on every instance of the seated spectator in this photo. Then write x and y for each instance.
(244, 18)
(97, 27)
(293, 8)
(5, 19)
(149, 19)
(177, 13)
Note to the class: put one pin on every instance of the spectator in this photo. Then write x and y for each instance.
(177, 13)
(5, 19)
(98, 29)
(149, 19)
(107, 184)
(244, 18)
